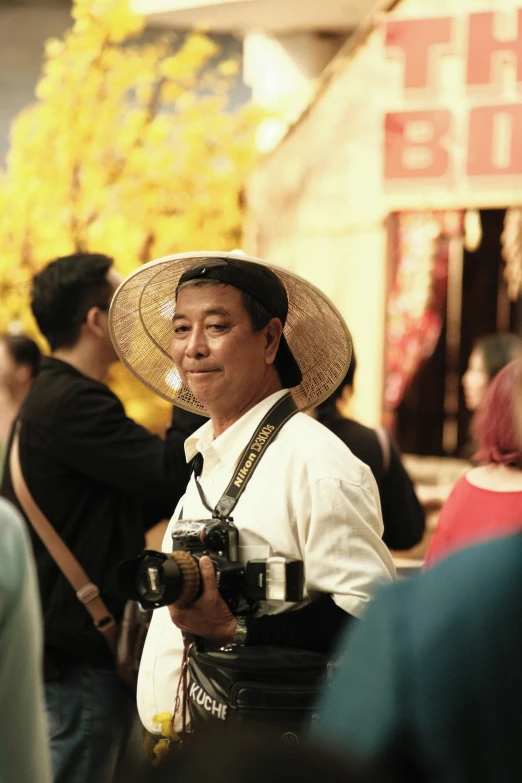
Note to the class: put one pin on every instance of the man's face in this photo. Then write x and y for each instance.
(218, 355)
(475, 380)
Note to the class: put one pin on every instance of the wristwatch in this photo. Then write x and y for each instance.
(240, 635)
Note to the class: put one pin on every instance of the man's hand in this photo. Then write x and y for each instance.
(209, 617)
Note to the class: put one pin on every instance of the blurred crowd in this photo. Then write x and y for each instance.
(426, 684)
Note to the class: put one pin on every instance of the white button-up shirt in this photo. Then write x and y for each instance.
(309, 499)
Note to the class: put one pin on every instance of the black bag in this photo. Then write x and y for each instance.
(273, 686)
(130, 640)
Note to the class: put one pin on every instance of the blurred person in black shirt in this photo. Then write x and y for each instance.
(102, 480)
(402, 513)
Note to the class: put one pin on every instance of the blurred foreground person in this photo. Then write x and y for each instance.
(24, 747)
(489, 355)
(487, 501)
(19, 365)
(431, 682)
(403, 515)
(248, 757)
(101, 480)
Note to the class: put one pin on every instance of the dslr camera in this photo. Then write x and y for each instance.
(157, 579)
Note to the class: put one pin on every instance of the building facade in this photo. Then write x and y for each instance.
(398, 192)
(392, 182)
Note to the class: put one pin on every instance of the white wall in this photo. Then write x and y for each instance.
(317, 207)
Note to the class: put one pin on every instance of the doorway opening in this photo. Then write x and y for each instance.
(432, 418)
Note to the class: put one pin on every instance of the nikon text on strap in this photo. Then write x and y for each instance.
(265, 433)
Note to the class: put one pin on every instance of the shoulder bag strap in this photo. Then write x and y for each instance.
(86, 592)
(384, 443)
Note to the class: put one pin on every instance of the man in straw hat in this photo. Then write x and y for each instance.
(228, 336)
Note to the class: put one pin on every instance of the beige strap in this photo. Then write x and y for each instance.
(86, 592)
(384, 442)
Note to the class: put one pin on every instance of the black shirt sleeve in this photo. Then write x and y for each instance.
(184, 423)
(403, 516)
(316, 627)
(94, 435)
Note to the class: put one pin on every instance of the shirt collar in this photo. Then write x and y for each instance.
(229, 445)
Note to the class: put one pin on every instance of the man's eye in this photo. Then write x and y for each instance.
(180, 329)
(216, 327)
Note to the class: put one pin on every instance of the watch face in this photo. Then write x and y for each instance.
(241, 632)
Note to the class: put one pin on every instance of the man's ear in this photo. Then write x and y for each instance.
(93, 321)
(274, 330)
(23, 372)
(343, 401)
(347, 394)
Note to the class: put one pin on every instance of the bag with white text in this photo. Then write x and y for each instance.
(274, 687)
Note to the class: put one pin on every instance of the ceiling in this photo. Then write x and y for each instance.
(278, 16)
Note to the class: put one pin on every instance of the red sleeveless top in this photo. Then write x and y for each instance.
(471, 515)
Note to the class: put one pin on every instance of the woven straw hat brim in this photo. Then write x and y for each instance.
(140, 322)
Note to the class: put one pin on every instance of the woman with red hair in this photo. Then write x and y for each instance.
(487, 501)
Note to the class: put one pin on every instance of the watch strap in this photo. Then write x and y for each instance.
(240, 635)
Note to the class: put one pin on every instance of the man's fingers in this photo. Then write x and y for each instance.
(181, 617)
(208, 575)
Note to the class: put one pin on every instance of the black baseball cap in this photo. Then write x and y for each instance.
(264, 286)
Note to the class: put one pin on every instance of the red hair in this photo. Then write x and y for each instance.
(494, 425)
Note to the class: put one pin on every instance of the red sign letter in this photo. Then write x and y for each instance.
(413, 145)
(415, 37)
(495, 141)
(482, 46)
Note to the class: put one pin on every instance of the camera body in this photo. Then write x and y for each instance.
(158, 579)
(218, 540)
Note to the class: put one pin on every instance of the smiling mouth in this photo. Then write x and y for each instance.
(200, 372)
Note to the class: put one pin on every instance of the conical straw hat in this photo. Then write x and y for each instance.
(140, 322)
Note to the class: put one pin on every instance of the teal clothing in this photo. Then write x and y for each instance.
(430, 683)
(24, 753)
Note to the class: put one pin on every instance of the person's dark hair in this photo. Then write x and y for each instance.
(494, 423)
(23, 351)
(259, 315)
(498, 350)
(325, 410)
(64, 292)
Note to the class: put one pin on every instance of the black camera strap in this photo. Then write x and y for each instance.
(265, 433)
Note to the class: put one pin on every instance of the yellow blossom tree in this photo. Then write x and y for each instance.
(129, 150)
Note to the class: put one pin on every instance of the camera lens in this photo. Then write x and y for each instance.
(150, 581)
(159, 580)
